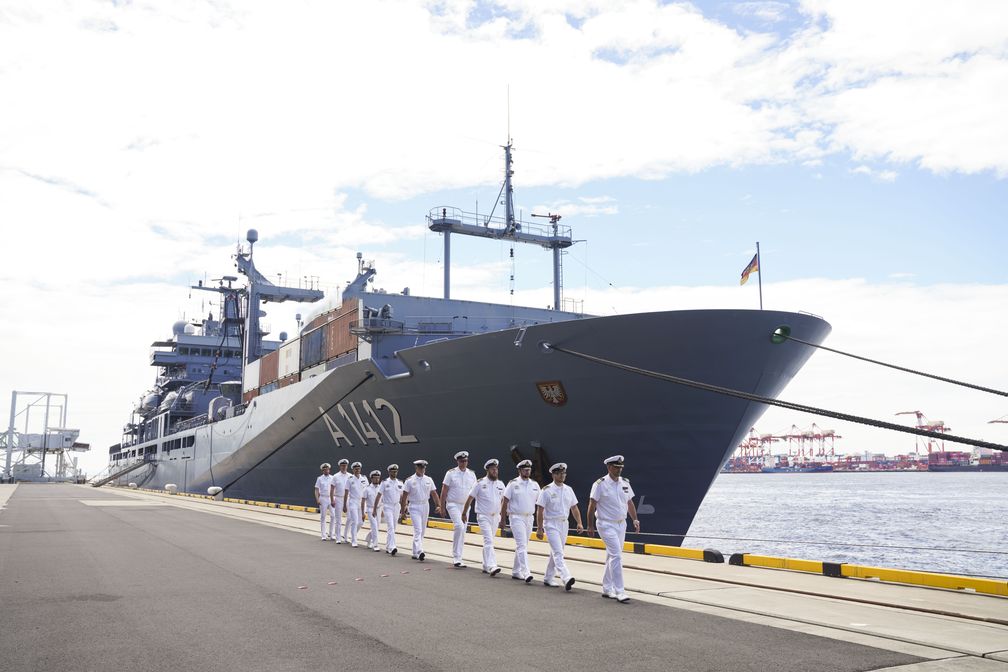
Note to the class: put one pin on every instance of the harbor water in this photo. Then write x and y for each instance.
(906, 520)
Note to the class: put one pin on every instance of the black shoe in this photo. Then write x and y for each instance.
(459, 565)
(528, 579)
(495, 571)
(394, 551)
(414, 557)
(569, 584)
(421, 556)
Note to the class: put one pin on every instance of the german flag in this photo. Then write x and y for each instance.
(753, 267)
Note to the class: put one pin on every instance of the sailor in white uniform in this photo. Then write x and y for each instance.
(389, 493)
(417, 489)
(340, 479)
(455, 487)
(556, 503)
(370, 498)
(518, 508)
(486, 495)
(324, 501)
(352, 500)
(610, 500)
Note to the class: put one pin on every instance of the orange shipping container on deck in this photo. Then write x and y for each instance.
(339, 340)
(287, 380)
(269, 367)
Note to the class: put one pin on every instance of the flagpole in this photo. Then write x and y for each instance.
(759, 274)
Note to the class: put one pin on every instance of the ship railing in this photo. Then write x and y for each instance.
(376, 325)
(446, 215)
(191, 423)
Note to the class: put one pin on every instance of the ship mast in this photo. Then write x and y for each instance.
(259, 290)
(449, 220)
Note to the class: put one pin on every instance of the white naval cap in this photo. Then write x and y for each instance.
(325, 465)
(462, 454)
(558, 466)
(493, 462)
(375, 472)
(615, 459)
(356, 465)
(420, 463)
(525, 463)
(393, 466)
(344, 461)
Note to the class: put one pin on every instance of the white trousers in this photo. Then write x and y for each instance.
(458, 529)
(343, 522)
(374, 522)
(325, 506)
(418, 515)
(521, 528)
(391, 515)
(613, 534)
(488, 527)
(354, 521)
(556, 534)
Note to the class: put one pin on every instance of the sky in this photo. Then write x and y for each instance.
(863, 144)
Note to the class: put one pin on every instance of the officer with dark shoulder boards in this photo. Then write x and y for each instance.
(417, 489)
(610, 501)
(556, 503)
(485, 496)
(518, 506)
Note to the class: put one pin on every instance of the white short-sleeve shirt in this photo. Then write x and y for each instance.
(460, 484)
(522, 495)
(391, 491)
(370, 495)
(339, 481)
(419, 488)
(355, 488)
(487, 495)
(556, 500)
(323, 483)
(611, 498)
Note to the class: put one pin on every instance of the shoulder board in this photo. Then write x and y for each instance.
(599, 480)
(625, 480)
(513, 479)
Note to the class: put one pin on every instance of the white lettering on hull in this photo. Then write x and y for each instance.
(362, 428)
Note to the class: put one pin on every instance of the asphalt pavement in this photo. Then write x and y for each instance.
(93, 580)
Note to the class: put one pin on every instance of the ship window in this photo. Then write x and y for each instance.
(183, 351)
(206, 352)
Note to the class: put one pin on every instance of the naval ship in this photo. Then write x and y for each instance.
(392, 377)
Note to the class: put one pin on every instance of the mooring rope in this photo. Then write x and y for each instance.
(915, 372)
(803, 408)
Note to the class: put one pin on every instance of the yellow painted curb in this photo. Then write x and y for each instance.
(947, 581)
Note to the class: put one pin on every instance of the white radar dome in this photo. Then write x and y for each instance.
(179, 327)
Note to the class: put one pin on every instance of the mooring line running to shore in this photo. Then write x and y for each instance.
(951, 381)
(748, 396)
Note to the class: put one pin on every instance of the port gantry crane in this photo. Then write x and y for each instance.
(935, 445)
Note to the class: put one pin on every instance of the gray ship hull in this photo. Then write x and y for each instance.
(482, 393)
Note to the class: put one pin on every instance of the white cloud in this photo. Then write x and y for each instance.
(879, 175)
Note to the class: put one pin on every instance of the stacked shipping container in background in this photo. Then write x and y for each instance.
(290, 362)
(325, 343)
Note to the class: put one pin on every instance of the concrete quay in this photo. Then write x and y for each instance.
(107, 578)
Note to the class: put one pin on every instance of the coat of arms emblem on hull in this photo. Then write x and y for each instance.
(552, 392)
